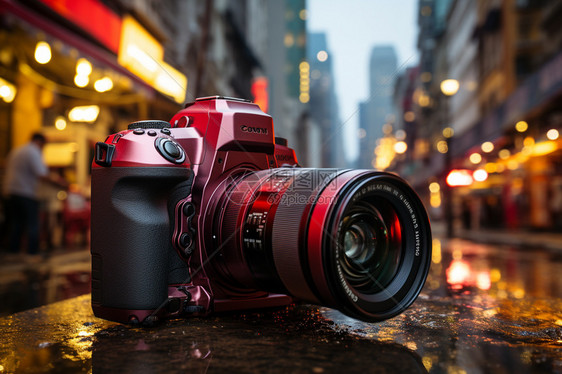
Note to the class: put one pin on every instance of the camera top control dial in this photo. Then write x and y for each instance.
(170, 150)
(151, 124)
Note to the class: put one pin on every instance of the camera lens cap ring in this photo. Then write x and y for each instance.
(151, 124)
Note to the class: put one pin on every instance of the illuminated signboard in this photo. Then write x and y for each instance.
(92, 16)
(171, 82)
(141, 53)
(259, 90)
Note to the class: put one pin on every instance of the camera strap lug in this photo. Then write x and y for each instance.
(184, 234)
(188, 300)
(183, 289)
(104, 154)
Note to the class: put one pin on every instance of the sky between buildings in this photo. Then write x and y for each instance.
(353, 27)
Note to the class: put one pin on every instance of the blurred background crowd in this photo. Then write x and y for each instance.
(472, 123)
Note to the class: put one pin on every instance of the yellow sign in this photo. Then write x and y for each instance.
(171, 82)
(141, 53)
(138, 50)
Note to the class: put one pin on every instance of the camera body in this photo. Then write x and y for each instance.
(153, 187)
(210, 212)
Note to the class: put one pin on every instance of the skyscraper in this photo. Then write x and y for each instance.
(378, 107)
(285, 68)
(323, 106)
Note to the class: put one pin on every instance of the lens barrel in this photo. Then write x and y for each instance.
(355, 240)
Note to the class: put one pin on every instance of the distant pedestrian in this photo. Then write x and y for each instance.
(24, 169)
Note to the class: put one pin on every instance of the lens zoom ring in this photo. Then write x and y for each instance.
(289, 226)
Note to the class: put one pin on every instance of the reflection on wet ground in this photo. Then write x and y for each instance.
(484, 309)
(30, 281)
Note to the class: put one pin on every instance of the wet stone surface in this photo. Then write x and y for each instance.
(65, 336)
(483, 310)
(464, 335)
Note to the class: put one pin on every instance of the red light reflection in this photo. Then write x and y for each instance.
(459, 177)
(460, 274)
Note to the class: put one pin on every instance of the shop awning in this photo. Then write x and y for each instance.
(72, 39)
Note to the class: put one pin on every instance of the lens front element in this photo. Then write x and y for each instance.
(371, 251)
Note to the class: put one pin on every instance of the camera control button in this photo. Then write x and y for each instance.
(172, 149)
(151, 132)
(166, 131)
(138, 131)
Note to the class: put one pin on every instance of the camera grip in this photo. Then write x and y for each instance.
(132, 253)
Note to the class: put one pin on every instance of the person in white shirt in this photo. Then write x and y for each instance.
(24, 169)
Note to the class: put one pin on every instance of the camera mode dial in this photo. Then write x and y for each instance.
(151, 124)
(170, 150)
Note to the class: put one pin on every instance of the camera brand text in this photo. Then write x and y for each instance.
(255, 130)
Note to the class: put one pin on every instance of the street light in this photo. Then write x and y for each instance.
(43, 52)
(449, 87)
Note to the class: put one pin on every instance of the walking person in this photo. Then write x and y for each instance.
(24, 169)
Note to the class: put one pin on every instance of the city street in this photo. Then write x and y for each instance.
(280, 151)
(484, 309)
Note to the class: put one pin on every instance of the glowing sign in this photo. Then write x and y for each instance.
(544, 148)
(92, 16)
(459, 177)
(141, 53)
(170, 82)
(259, 90)
(88, 113)
(304, 70)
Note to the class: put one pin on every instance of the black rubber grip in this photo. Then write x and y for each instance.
(132, 253)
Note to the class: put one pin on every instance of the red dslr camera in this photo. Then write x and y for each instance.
(210, 212)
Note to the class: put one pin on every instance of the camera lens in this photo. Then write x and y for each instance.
(371, 252)
(355, 240)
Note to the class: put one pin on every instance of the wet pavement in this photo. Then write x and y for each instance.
(484, 309)
(30, 281)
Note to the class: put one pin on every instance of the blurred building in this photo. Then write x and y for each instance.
(426, 163)
(288, 75)
(405, 131)
(323, 105)
(500, 126)
(378, 112)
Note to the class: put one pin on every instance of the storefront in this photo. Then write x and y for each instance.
(52, 65)
(515, 158)
(77, 71)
